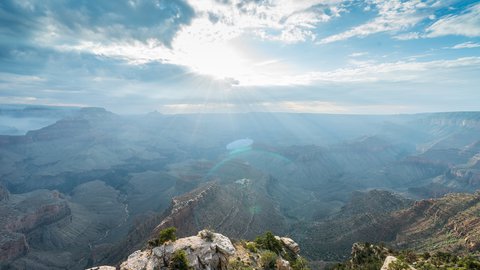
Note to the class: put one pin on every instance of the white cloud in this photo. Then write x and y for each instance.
(466, 45)
(411, 71)
(207, 44)
(466, 24)
(36, 101)
(393, 16)
(358, 54)
(408, 36)
(284, 20)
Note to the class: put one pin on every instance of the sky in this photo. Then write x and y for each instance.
(191, 56)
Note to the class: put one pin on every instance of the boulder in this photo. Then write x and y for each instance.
(283, 264)
(290, 244)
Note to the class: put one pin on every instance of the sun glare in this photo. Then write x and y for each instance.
(219, 60)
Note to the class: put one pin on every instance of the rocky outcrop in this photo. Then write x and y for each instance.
(290, 244)
(183, 209)
(206, 250)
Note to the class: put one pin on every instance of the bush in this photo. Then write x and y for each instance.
(268, 260)
(179, 261)
(300, 264)
(268, 241)
(207, 235)
(251, 246)
(167, 234)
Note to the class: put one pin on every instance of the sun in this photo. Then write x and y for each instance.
(211, 50)
(219, 60)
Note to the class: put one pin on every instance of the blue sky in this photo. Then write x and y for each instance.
(324, 56)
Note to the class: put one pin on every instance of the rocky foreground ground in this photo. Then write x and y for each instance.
(209, 250)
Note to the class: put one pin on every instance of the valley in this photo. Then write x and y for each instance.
(95, 186)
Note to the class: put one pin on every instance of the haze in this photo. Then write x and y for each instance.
(270, 134)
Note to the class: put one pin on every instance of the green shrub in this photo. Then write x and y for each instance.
(268, 259)
(300, 264)
(268, 241)
(167, 234)
(251, 246)
(179, 261)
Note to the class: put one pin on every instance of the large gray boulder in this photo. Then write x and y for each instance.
(207, 251)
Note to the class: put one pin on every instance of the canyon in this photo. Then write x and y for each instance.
(94, 186)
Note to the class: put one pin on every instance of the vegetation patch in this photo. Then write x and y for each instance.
(165, 235)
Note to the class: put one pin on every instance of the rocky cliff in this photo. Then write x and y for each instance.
(450, 223)
(209, 250)
(239, 207)
(447, 224)
(20, 214)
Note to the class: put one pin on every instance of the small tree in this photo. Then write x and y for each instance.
(167, 234)
(179, 261)
(269, 242)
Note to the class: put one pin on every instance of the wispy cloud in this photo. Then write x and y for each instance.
(465, 24)
(358, 54)
(466, 45)
(412, 71)
(393, 16)
(284, 20)
(408, 36)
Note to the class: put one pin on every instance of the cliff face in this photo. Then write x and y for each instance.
(21, 214)
(450, 223)
(366, 217)
(242, 209)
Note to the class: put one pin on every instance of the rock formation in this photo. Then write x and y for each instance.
(241, 209)
(23, 213)
(206, 250)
